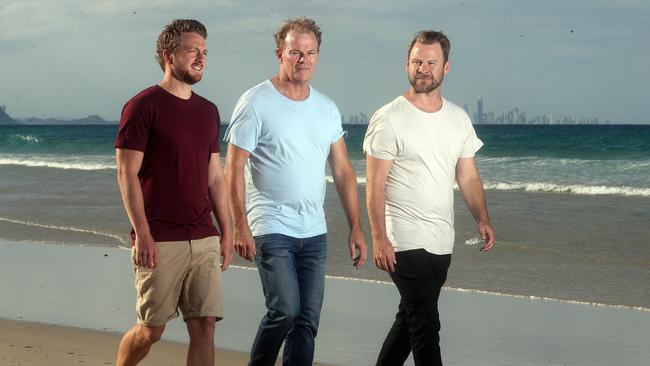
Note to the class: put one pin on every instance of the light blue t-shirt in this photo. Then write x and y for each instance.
(289, 142)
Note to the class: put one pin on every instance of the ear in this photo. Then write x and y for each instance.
(278, 54)
(447, 66)
(168, 56)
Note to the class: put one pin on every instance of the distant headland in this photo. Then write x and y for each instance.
(6, 119)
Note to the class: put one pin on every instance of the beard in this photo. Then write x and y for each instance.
(419, 85)
(186, 76)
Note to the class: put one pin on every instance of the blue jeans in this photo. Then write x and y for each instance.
(292, 271)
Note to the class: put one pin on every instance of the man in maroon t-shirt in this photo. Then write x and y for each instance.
(170, 176)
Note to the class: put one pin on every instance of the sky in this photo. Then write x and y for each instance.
(73, 58)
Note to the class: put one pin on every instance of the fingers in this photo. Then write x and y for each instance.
(154, 257)
(246, 250)
(352, 248)
(363, 255)
(390, 262)
(146, 257)
(487, 234)
(358, 253)
(226, 258)
(385, 261)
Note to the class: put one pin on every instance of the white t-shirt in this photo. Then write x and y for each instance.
(424, 148)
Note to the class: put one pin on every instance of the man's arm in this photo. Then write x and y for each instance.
(471, 187)
(346, 185)
(376, 176)
(242, 236)
(219, 197)
(128, 164)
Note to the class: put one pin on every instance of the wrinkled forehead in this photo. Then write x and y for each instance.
(298, 38)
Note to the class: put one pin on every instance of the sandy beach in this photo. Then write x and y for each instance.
(91, 288)
(36, 344)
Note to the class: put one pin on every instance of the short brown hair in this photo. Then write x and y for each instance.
(301, 25)
(431, 37)
(170, 37)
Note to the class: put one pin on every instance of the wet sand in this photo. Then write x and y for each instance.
(91, 287)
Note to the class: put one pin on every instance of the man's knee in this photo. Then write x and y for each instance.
(203, 327)
(285, 314)
(149, 335)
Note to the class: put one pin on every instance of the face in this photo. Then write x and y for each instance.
(426, 67)
(299, 57)
(188, 60)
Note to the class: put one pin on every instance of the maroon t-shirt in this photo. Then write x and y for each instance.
(177, 137)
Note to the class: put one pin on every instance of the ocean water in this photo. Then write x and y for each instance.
(589, 160)
(570, 205)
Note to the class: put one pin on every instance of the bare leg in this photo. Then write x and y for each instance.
(136, 343)
(201, 331)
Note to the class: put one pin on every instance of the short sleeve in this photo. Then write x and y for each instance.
(133, 130)
(338, 130)
(244, 128)
(472, 143)
(380, 141)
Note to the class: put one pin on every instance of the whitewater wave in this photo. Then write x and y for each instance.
(26, 138)
(590, 190)
(64, 228)
(101, 162)
(569, 188)
(79, 163)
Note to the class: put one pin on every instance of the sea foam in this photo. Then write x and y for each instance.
(59, 162)
(64, 228)
(570, 188)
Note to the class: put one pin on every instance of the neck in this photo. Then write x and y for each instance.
(426, 102)
(291, 89)
(175, 86)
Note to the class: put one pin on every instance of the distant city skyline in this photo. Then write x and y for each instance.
(69, 59)
(516, 115)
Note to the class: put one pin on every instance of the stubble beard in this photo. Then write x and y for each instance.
(186, 76)
(426, 88)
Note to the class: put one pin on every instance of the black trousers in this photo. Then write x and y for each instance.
(419, 276)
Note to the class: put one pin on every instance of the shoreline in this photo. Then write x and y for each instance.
(246, 266)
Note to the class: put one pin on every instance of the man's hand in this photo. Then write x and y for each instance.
(244, 243)
(226, 251)
(358, 248)
(487, 234)
(384, 255)
(146, 251)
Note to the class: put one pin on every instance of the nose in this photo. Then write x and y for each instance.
(302, 58)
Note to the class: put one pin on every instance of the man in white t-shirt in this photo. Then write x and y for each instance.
(416, 146)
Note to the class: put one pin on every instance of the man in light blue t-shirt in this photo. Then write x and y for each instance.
(282, 133)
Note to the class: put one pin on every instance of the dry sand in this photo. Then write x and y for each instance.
(27, 344)
(35, 344)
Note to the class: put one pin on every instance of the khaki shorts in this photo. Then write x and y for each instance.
(187, 276)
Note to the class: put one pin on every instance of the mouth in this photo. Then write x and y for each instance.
(197, 67)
